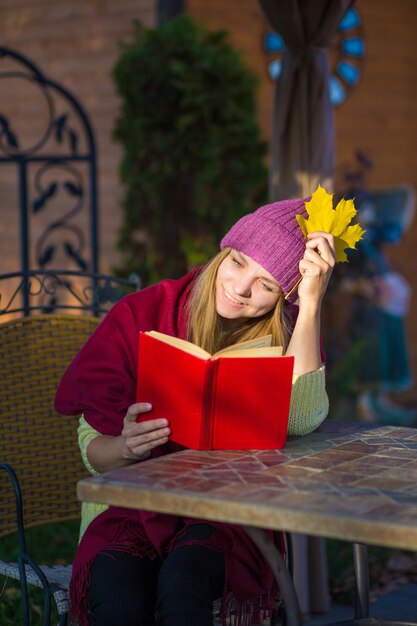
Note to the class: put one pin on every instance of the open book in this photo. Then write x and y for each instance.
(237, 398)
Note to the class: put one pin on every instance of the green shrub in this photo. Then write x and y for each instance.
(192, 153)
(53, 544)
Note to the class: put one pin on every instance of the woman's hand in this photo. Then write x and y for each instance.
(107, 452)
(140, 438)
(316, 267)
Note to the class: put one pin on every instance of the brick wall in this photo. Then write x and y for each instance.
(76, 42)
(380, 115)
(73, 42)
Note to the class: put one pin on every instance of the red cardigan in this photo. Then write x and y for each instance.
(100, 383)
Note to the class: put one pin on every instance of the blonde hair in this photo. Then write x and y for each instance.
(207, 329)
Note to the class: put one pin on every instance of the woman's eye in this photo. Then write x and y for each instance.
(266, 287)
(237, 262)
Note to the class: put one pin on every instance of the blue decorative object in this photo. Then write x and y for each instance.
(274, 42)
(354, 47)
(348, 72)
(350, 20)
(347, 56)
(274, 68)
(337, 91)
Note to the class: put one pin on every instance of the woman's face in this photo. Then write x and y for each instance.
(244, 289)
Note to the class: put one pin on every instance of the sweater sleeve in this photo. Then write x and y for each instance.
(86, 433)
(309, 402)
(89, 510)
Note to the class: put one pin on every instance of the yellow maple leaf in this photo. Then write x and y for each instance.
(322, 216)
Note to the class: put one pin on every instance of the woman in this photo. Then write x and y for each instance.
(136, 567)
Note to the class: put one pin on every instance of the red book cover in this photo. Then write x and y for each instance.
(236, 399)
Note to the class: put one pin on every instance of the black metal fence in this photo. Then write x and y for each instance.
(54, 154)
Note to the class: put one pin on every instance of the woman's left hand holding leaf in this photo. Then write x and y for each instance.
(316, 267)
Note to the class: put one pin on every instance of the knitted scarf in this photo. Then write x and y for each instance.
(101, 383)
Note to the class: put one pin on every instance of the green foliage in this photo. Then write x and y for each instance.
(343, 381)
(53, 544)
(341, 570)
(192, 154)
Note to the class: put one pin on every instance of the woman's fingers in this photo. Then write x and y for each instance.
(310, 267)
(136, 409)
(322, 262)
(143, 429)
(145, 442)
(317, 265)
(321, 233)
(323, 244)
(141, 437)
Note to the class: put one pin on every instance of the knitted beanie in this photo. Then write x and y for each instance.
(272, 237)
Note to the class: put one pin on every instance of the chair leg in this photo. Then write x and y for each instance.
(24, 593)
(361, 571)
(361, 568)
(281, 573)
(63, 620)
(279, 616)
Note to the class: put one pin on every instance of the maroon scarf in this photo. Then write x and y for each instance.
(101, 383)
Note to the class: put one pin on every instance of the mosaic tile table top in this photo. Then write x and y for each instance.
(348, 481)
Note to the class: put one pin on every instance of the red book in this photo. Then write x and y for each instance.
(236, 399)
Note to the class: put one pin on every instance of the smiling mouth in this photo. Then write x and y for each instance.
(231, 299)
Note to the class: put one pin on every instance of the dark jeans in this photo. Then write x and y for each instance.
(129, 591)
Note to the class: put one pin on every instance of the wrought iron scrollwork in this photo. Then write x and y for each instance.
(56, 174)
(63, 290)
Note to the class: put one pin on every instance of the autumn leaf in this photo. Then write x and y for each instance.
(322, 216)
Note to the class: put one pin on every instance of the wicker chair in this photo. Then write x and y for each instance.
(38, 445)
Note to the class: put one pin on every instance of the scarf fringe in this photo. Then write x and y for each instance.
(236, 611)
(134, 542)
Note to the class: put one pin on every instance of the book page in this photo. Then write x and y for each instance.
(250, 353)
(261, 346)
(181, 344)
(251, 344)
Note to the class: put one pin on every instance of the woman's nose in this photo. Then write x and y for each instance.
(243, 287)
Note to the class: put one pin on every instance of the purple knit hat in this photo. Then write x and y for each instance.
(272, 237)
